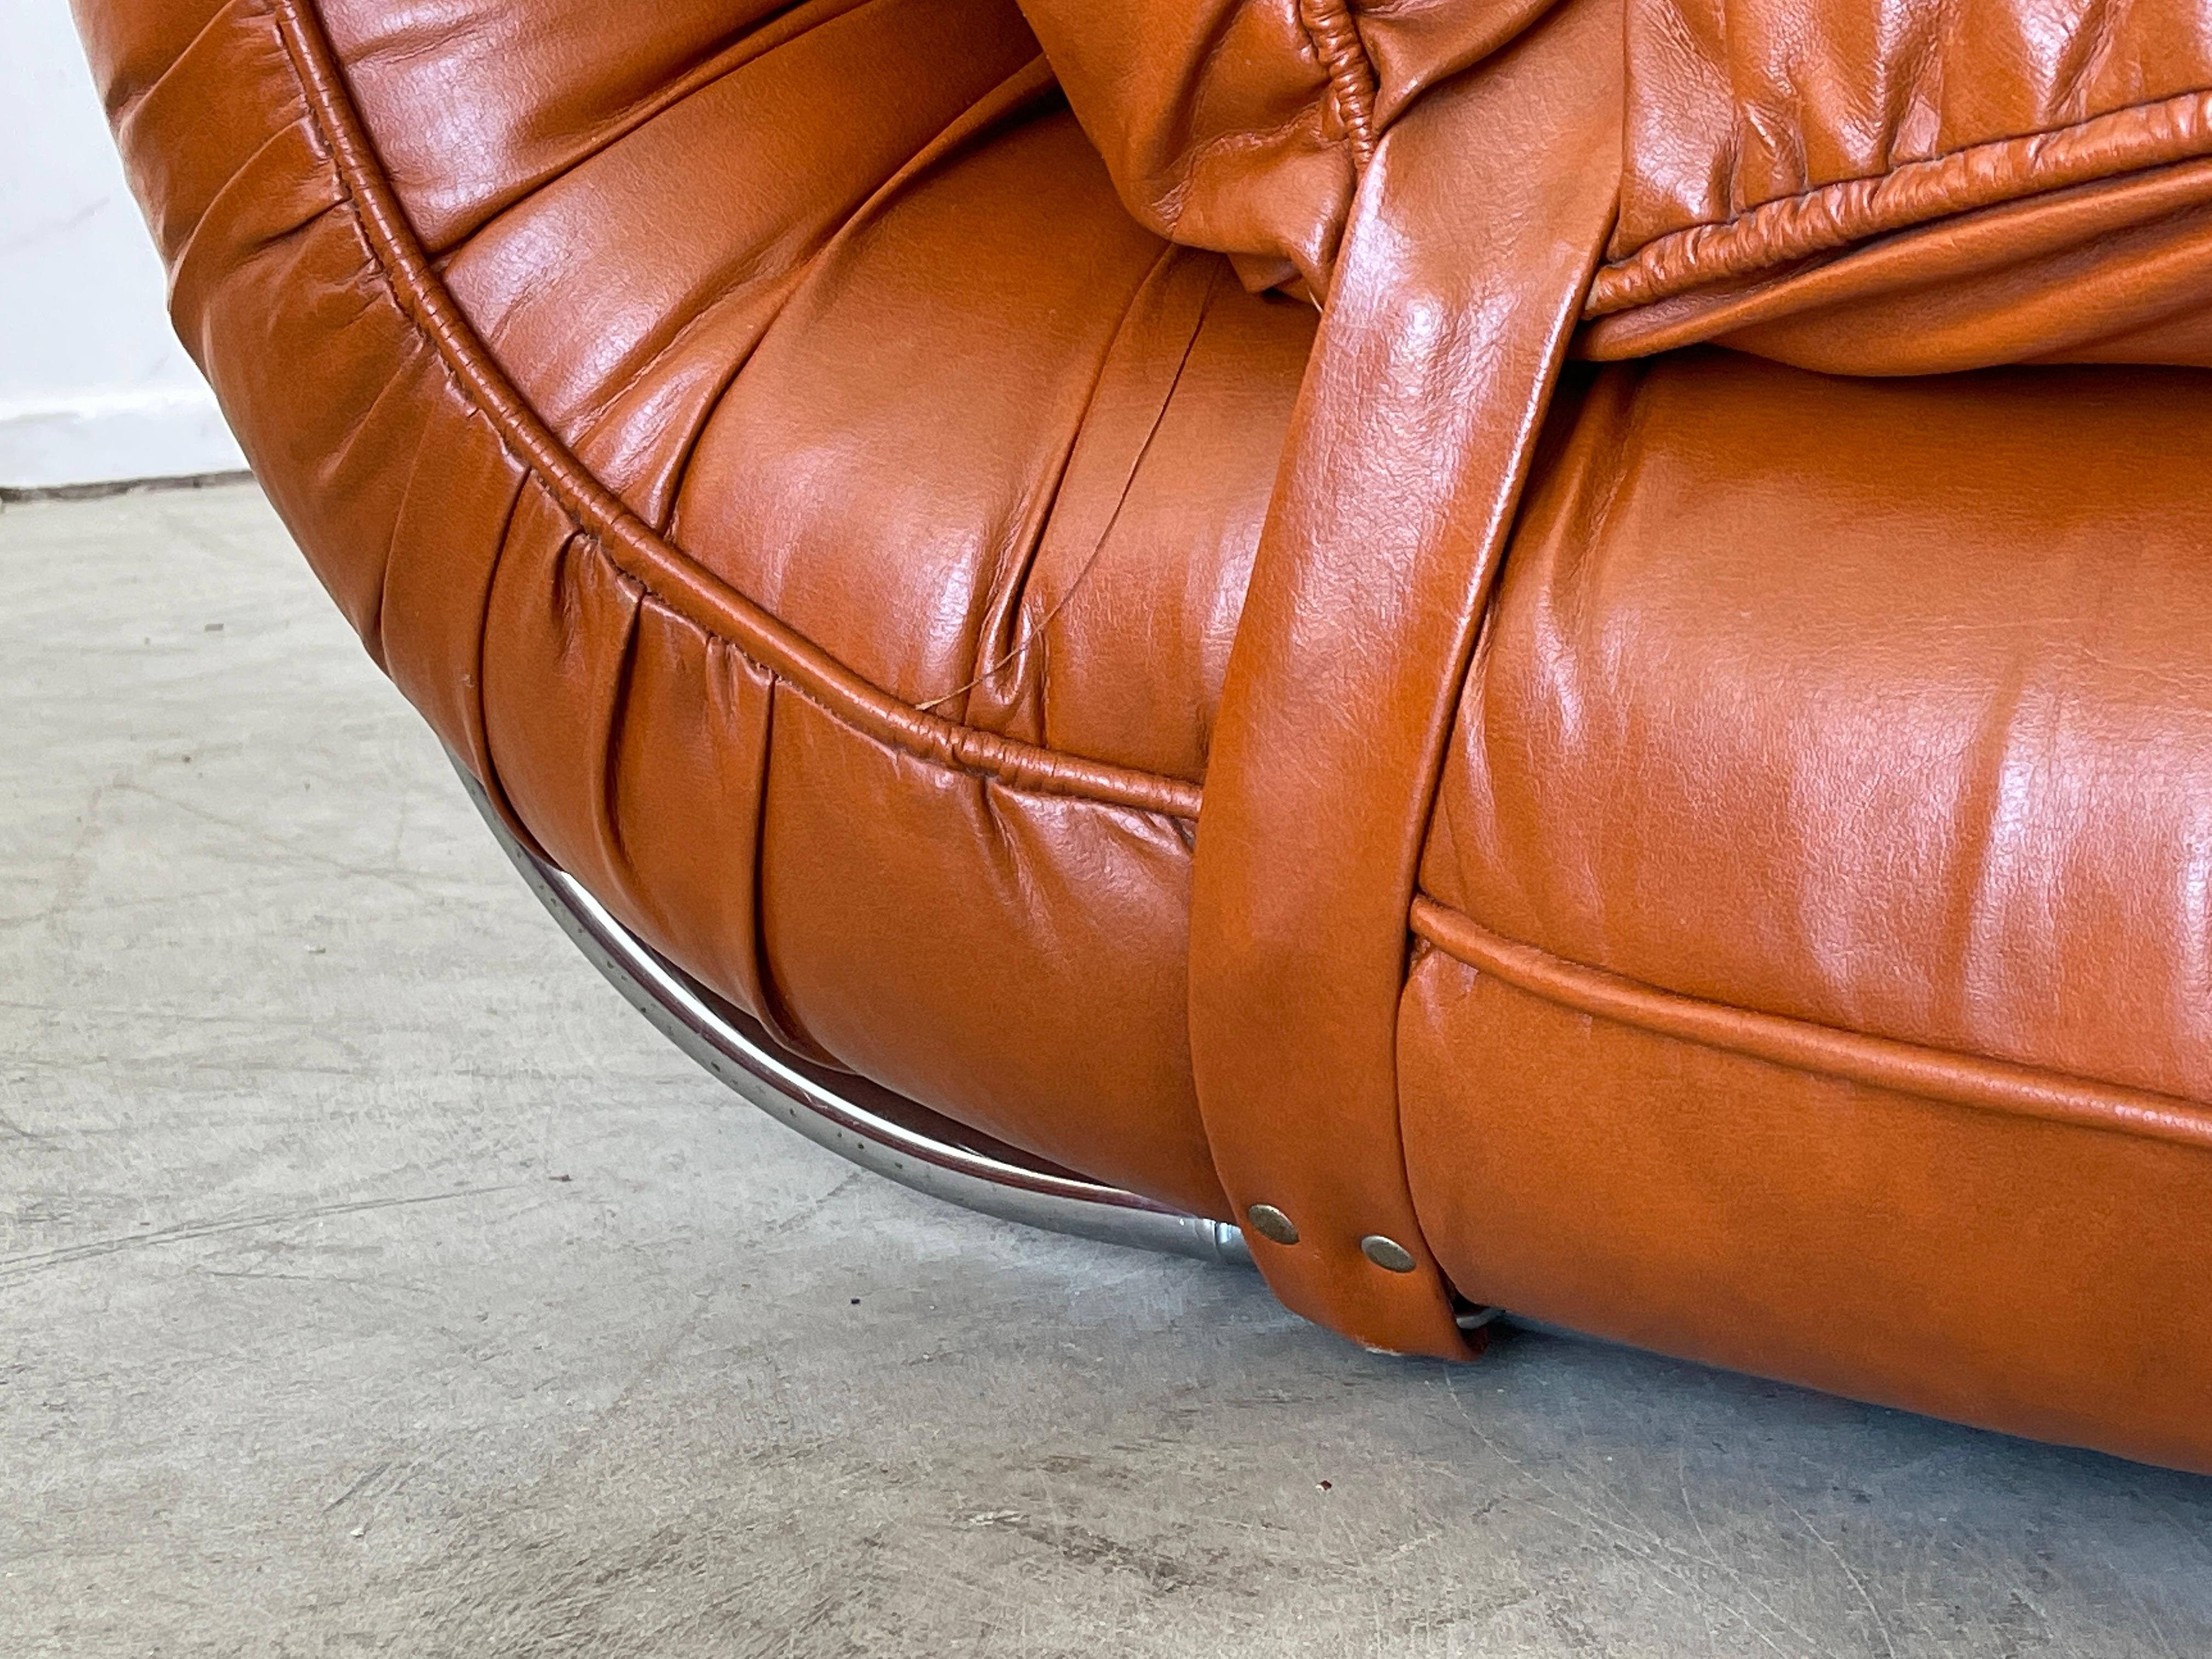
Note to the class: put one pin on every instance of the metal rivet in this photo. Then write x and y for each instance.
(1387, 1254)
(1269, 1222)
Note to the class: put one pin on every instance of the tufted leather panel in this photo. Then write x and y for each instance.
(492, 479)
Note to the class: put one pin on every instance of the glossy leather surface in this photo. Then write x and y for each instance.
(1061, 558)
(1726, 677)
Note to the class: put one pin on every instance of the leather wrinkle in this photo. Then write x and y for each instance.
(1192, 152)
(188, 246)
(700, 320)
(372, 634)
(775, 1011)
(1254, 139)
(1018, 98)
(489, 773)
(1014, 609)
(397, 387)
(1218, 124)
(120, 110)
(1005, 592)
(1986, 760)
(633, 547)
(610, 749)
(1177, 196)
(1013, 565)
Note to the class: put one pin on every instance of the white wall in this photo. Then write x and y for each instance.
(93, 385)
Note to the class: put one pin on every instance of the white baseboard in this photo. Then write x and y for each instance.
(111, 437)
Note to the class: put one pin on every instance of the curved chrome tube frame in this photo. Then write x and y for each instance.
(875, 1128)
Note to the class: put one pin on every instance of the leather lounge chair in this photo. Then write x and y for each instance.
(1553, 657)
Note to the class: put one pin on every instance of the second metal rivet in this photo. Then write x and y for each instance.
(1387, 1254)
(1271, 1223)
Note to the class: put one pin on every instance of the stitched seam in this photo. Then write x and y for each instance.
(1955, 1076)
(615, 530)
(1833, 215)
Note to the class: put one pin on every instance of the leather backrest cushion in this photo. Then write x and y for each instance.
(1915, 187)
(1734, 104)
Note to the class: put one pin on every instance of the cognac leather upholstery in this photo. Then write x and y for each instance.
(1574, 635)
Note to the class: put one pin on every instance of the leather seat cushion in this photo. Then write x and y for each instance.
(1812, 970)
(1879, 705)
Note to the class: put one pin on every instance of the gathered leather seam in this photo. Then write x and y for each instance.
(1949, 1075)
(1835, 216)
(1351, 79)
(640, 556)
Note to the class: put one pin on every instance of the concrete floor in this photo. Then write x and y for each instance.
(372, 1281)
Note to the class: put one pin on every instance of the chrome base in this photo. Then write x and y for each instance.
(877, 1129)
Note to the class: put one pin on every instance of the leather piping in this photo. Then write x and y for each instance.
(1959, 1079)
(666, 573)
(1351, 81)
(1834, 215)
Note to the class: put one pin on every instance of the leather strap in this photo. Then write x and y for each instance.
(1471, 239)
